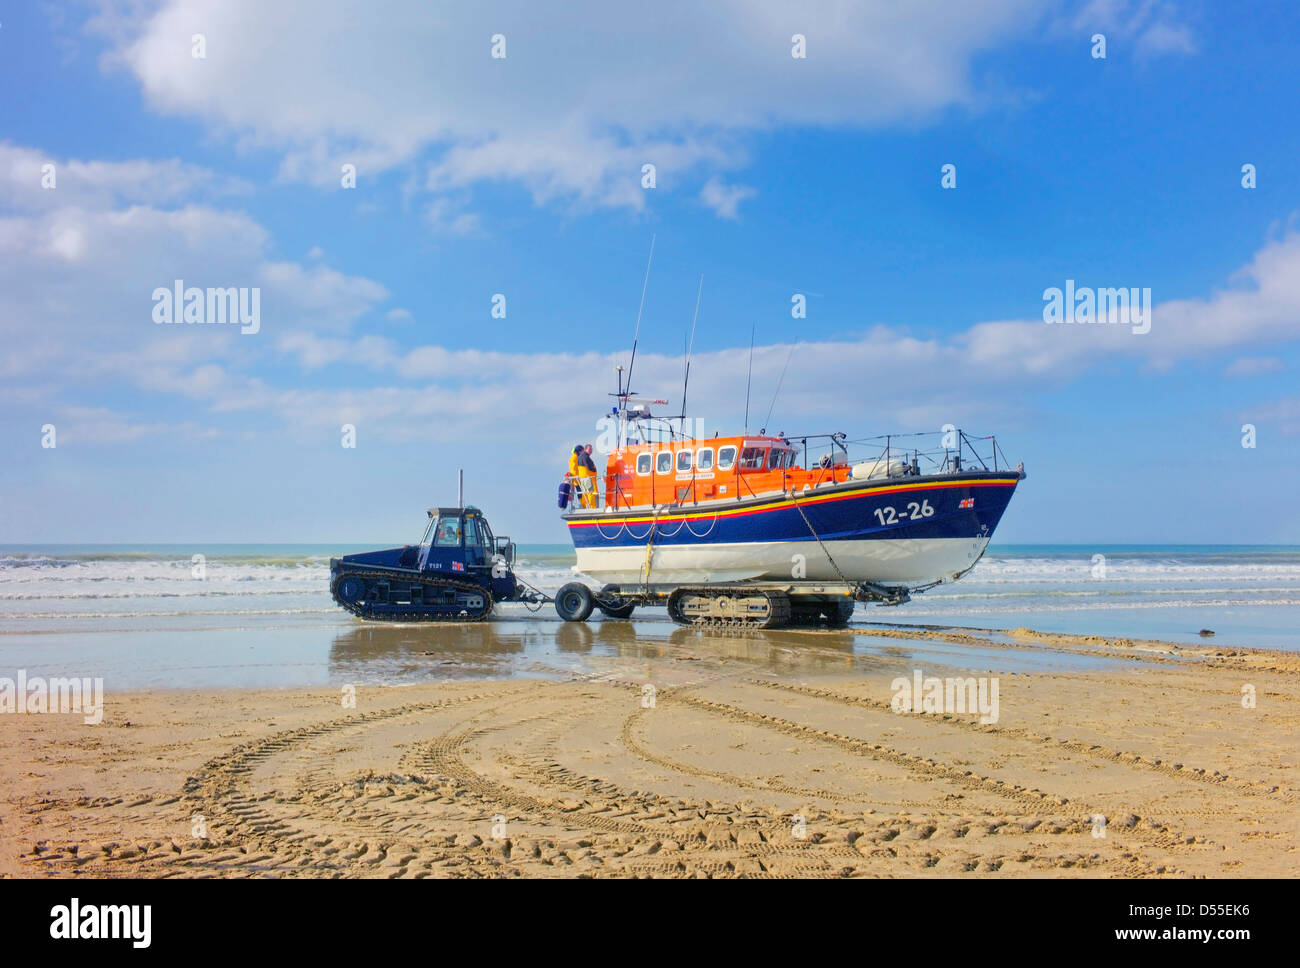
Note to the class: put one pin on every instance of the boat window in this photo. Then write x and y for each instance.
(683, 461)
(664, 462)
(704, 459)
(726, 457)
(448, 534)
(751, 458)
(782, 458)
(643, 463)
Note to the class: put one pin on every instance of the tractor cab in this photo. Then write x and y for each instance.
(459, 541)
(455, 574)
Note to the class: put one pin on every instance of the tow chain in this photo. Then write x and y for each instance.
(813, 532)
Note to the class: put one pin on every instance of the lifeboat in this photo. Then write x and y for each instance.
(902, 514)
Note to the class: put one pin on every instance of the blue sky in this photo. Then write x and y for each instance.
(522, 176)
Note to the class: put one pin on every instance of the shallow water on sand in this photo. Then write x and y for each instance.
(261, 616)
(356, 652)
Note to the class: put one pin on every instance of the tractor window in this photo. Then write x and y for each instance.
(751, 458)
(683, 461)
(726, 457)
(471, 533)
(664, 462)
(448, 533)
(643, 463)
(704, 460)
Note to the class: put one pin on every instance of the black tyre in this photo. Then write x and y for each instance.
(574, 602)
(622, 611)
(609, 602)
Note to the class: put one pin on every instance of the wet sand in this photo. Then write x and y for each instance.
(774, 754)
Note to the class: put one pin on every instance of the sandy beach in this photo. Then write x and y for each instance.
(698, 755)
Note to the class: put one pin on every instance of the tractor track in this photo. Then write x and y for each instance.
(1094, 750)
(284, 805)
(1035, 803)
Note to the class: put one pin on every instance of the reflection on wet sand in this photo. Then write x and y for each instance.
(378, 653)
(369, 642)
(759, 645)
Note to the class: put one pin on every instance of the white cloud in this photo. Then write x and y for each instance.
(587, 93)
(831, 376)
(100, 184)
(78, 283)
(333, 299)
(88, 426)
(1284, 414)
(1254, 366)
(724, 199)
(1162, 38)
(445, 217)
(1150, 26)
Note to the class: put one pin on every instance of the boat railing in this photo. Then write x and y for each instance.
(889, 455)
(931, 452)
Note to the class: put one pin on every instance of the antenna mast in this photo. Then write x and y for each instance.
(768, 422)
(749, 375)
(637, 334)
(687, 381)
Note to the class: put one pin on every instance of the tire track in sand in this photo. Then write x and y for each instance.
(1094, 750)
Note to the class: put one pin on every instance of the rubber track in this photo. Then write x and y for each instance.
(413, 616)
(778, 616)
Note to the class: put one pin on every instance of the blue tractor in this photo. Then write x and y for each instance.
(455, 574)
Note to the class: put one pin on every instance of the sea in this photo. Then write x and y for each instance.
(172, 616)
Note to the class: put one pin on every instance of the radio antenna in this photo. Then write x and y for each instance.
(637, 334)
(691, 349)
(750, 374)
(768, 421)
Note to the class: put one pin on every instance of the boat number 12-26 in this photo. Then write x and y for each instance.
(914, 512)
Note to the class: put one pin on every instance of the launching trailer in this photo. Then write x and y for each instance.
(740, 605)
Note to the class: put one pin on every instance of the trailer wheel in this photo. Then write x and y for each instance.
(574, 602)
(613, 605)
(622, 611)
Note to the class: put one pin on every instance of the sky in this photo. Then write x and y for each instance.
(211, 141)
